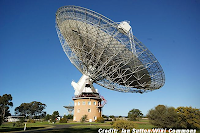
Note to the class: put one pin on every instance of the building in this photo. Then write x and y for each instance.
(87, 104)
(14, 118)
(87, 100)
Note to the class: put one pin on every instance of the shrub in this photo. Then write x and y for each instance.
(22, 119)
(100, 120)
(188, 117)
(112, 123)
(83, 118)
(123, 124)
(31, 121)
(163, 117)
(64, 119)
(19, 124)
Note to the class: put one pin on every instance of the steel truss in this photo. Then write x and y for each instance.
(110, 57)
(70, 109)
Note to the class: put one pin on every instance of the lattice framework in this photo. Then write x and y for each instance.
(99, 49)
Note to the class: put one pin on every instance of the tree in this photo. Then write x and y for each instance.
(134, 114)
(188, 117)
(47, 117)
(112, 116)
(54, 116)
(32, 110)
(37, 109)
(104, 116)
(69, 116)
(56, 113)
(1, 120)
(5, 103)
(43, 115)
(24, 109)
(163, 117)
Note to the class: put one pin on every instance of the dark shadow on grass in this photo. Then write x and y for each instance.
(73, 130)
(9, 129)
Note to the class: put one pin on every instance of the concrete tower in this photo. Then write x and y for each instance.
(87, 100)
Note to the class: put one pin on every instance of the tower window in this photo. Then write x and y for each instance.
(89, 103)
(94, 103)
(87, 85)
(89, 110)
(83, 103)
(78, 110)
(78, 103)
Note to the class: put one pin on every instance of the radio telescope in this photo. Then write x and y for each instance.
(106, 52)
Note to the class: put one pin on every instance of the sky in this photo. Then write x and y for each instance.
(33, 66)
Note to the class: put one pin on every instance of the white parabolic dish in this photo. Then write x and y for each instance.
(107, 51)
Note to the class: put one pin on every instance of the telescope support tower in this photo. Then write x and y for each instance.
(87, 100)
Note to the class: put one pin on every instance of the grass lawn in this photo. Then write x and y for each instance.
(81, 127)
(94, 127)
(8, 126)
(143, 124)
(76, 128)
